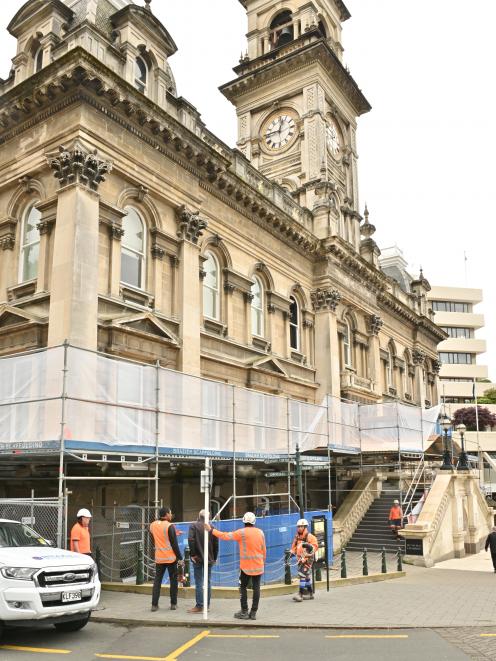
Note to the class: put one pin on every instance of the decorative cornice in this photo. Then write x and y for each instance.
(354, 264)
(190, 225)
(325, 299)
(236, 281)
(76, 165)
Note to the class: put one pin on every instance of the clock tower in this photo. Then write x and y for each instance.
(297, 106)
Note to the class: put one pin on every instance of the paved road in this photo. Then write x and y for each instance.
(103, 641)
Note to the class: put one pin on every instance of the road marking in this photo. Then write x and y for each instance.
(191, 643)
(488, 635)
(34, 650)
(239, 635)
(352, 635)
(132, 658)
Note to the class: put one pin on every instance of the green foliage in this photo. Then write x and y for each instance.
(489, 397)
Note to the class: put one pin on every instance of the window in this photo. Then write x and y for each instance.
(133, 250)
(257, 314)
(451, 306)
(281, 29)
(140, 74)
(294, 324)
(211, 287)
(30, 245)
(456, 358)
(38, 60)
(390, 369)
(347, 345)
(458, 332)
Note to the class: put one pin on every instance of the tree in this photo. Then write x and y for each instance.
(467, 417)
(489, 397)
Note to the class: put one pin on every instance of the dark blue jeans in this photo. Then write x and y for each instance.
(198, 572)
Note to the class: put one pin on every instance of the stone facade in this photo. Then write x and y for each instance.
(127, 227)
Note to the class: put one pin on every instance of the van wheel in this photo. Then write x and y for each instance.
(73, 625)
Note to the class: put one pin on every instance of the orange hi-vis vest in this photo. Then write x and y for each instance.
(296, 548)
(164, 555)
(252, 551)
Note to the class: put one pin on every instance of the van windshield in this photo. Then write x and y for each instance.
(14, 534)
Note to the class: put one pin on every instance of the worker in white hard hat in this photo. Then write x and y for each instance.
(252, 554)
(80, 533)
(304, 547)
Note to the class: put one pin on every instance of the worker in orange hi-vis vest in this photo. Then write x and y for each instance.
(167, 555)
(252, 554)
(305, 557)
(395, 518)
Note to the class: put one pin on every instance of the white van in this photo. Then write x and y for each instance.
(42, 584)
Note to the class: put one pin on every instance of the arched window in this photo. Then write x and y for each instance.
(38, 60)
(294, 324)
(281, 29)
(133, 250)
(140, 74)
(30, 245)
(390, 368)
(211, 287)
(257, 312)
(322, 29)
(347, 352)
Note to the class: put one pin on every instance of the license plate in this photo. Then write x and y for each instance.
(71, 596)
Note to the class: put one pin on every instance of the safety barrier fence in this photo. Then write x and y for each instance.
(78, 399)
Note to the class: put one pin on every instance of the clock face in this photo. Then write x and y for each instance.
(280, 132)
(332, 139)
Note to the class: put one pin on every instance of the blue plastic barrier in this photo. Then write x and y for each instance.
(279, 533)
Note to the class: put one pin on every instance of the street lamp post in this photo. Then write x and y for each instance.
(463, 464)
(446, 424)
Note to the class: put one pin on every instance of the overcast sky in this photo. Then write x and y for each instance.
(427, 148)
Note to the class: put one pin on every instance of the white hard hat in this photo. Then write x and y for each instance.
(84, 512)
(249, 517)
(302, 522)
(396, 502)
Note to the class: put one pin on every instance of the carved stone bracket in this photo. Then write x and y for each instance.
(77, 165)
(436, 366)
(45, 226)
(157, 251)
(7, 242)
(325, 299)
(8, 233)
(374, 324)
(418, 357)
(116, 231)
(190, 225)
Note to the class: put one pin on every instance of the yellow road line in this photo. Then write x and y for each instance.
(236, 635)
(132, 658)
(191, 643)
(352, 635)
(488, 635)
(34, 650)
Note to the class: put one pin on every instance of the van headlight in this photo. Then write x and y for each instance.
(18, 573)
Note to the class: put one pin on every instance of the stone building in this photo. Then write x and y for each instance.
(128, 228)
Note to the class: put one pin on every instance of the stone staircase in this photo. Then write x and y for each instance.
(373, 532)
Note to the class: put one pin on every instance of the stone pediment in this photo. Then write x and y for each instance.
(269, 365)
(145, 323)
(39, 10)
(12, 316)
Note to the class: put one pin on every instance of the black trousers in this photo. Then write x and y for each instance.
(493, 558)
(160, 569)
(243, 590)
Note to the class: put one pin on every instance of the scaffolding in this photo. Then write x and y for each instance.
(90, 406)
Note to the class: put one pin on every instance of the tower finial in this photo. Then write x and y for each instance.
(147, 5)
(366, 213)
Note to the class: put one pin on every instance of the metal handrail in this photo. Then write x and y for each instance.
(417, 476)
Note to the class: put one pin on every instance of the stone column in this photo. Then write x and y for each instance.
(324, 303)
(418, 361)
(374, 324)
(74, 290)
(48, 212)
(190, 227)
(7, 255)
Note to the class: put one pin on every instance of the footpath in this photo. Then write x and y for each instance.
(454, 593)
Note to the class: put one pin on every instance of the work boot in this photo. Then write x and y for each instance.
(253, 615)
(173, 607)
(298, 597)
(154, 608)
(242, 615)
